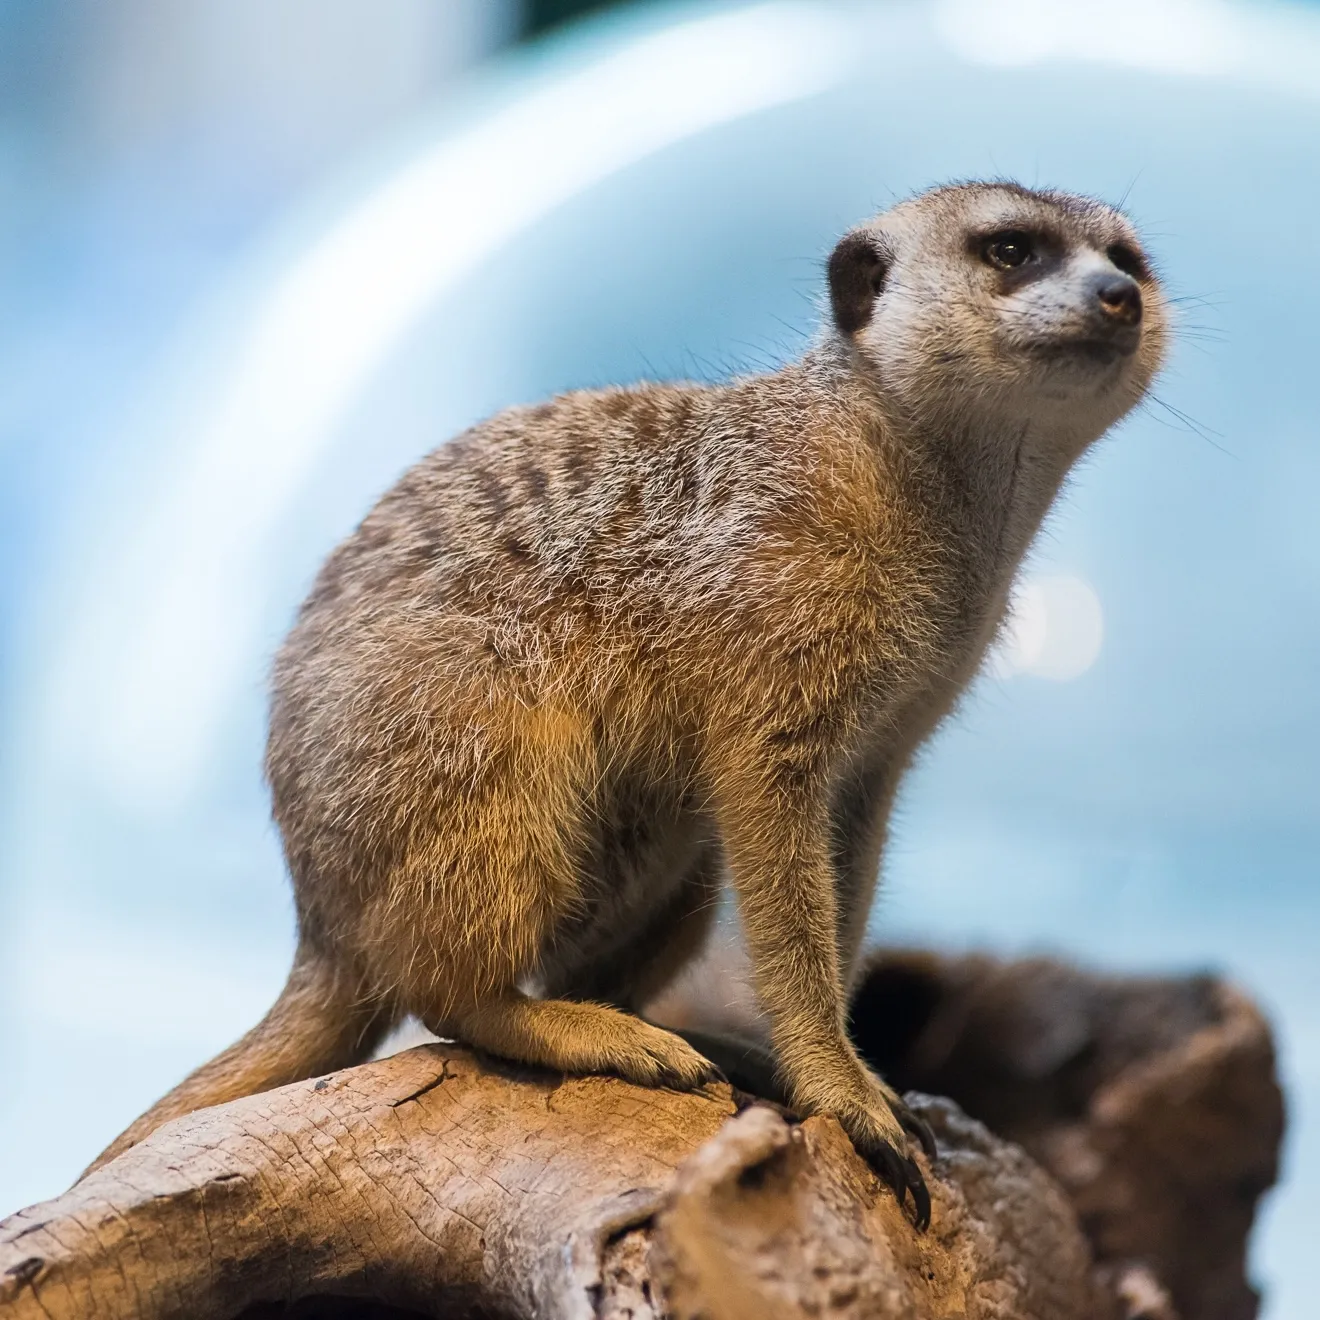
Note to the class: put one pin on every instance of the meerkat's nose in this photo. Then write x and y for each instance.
(1120, 299)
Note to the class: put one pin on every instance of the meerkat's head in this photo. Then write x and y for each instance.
(990, 302)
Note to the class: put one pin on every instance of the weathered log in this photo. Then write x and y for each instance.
(447, 1185)
(438, 1183)
(1152, 1100)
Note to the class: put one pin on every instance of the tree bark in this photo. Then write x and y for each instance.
(438, 1183)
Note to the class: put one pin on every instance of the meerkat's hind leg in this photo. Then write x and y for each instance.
(576, 1037)
(644, 966)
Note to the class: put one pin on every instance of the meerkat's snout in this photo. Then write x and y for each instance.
(1109, 326)
(1120, 299)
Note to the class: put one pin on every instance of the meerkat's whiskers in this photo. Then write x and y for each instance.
(1186, 422)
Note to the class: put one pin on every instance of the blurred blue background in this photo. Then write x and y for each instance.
(256, 257)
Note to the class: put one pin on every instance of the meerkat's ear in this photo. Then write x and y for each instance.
(857, 270)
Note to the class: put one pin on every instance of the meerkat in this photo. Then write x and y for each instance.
(593, 656)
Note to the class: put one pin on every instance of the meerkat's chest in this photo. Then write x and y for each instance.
(935, 690)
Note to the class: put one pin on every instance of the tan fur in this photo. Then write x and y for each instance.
(591, 655)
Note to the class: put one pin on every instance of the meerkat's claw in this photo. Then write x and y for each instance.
(717, 1074)
(743, 1100)
(916, 1184)
(903, 1176)
(916, 1126)
(676, 1079)
(712, 1073)
(708, 1076)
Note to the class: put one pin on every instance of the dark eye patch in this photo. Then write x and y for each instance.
(1127, 259)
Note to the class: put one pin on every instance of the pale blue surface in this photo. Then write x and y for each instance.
(1157, 811)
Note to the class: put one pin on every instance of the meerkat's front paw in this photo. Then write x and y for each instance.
(879, 1129)
(886, 1151)
(651, 1056)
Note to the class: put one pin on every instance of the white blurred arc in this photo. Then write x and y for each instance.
(138, 700)
(149, 690)
(1269, 43)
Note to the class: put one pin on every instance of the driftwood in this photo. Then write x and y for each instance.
(1152, 1101)
(436, 1183)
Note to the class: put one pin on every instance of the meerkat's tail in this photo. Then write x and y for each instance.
(320, 1022)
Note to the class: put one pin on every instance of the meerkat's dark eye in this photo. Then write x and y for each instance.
(1127, 259)
(1008, 250)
